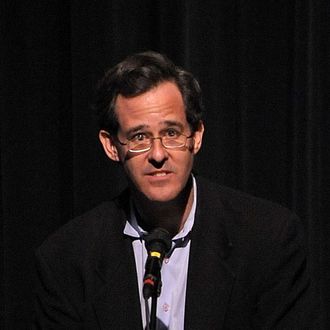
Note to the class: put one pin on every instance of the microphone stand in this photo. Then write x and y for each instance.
(152, 321)
(153, 318)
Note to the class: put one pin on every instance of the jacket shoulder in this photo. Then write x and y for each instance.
(239, 202)
(84, 234)
(242, 215)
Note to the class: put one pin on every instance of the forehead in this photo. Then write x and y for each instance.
(160, 105)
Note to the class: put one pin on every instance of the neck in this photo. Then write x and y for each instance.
(170, 215)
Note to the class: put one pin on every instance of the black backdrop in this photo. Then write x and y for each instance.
(263, 67)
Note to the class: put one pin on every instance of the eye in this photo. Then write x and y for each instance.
(172, 133)
(138, 137)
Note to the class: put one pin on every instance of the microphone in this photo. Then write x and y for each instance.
(158, 243)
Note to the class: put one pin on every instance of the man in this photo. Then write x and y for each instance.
(236, 262)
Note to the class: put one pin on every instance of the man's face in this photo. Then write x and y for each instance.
(160, 173)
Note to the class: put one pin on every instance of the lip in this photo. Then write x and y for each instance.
(159, 176)
(158, 173)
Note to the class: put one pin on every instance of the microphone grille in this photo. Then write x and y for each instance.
(158, 236)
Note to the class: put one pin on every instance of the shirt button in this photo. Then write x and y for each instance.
(166, 260)
(166, 307)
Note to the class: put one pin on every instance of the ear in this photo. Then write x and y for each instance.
(198, 137)
(108, 145)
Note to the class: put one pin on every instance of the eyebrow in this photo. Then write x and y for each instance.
(166, 123)
(173, 123)
(136, 129)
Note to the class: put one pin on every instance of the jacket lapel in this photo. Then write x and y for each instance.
(210, 276)
(117, 304)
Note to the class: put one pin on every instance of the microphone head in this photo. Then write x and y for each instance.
(158, 240)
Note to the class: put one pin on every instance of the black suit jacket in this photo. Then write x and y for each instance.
(247, 269)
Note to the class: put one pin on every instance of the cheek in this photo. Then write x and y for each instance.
(133, 168)
(185, 164)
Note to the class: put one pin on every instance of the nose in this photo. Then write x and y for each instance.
(158, 153)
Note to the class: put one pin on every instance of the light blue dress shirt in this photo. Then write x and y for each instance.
(171, 302)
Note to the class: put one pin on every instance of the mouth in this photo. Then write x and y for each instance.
(159, 174)
(159, 178)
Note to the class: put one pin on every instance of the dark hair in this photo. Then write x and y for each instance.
(138, 74)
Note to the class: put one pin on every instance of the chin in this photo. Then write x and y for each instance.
(161, 196)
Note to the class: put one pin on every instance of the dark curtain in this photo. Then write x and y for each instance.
(264, 70)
